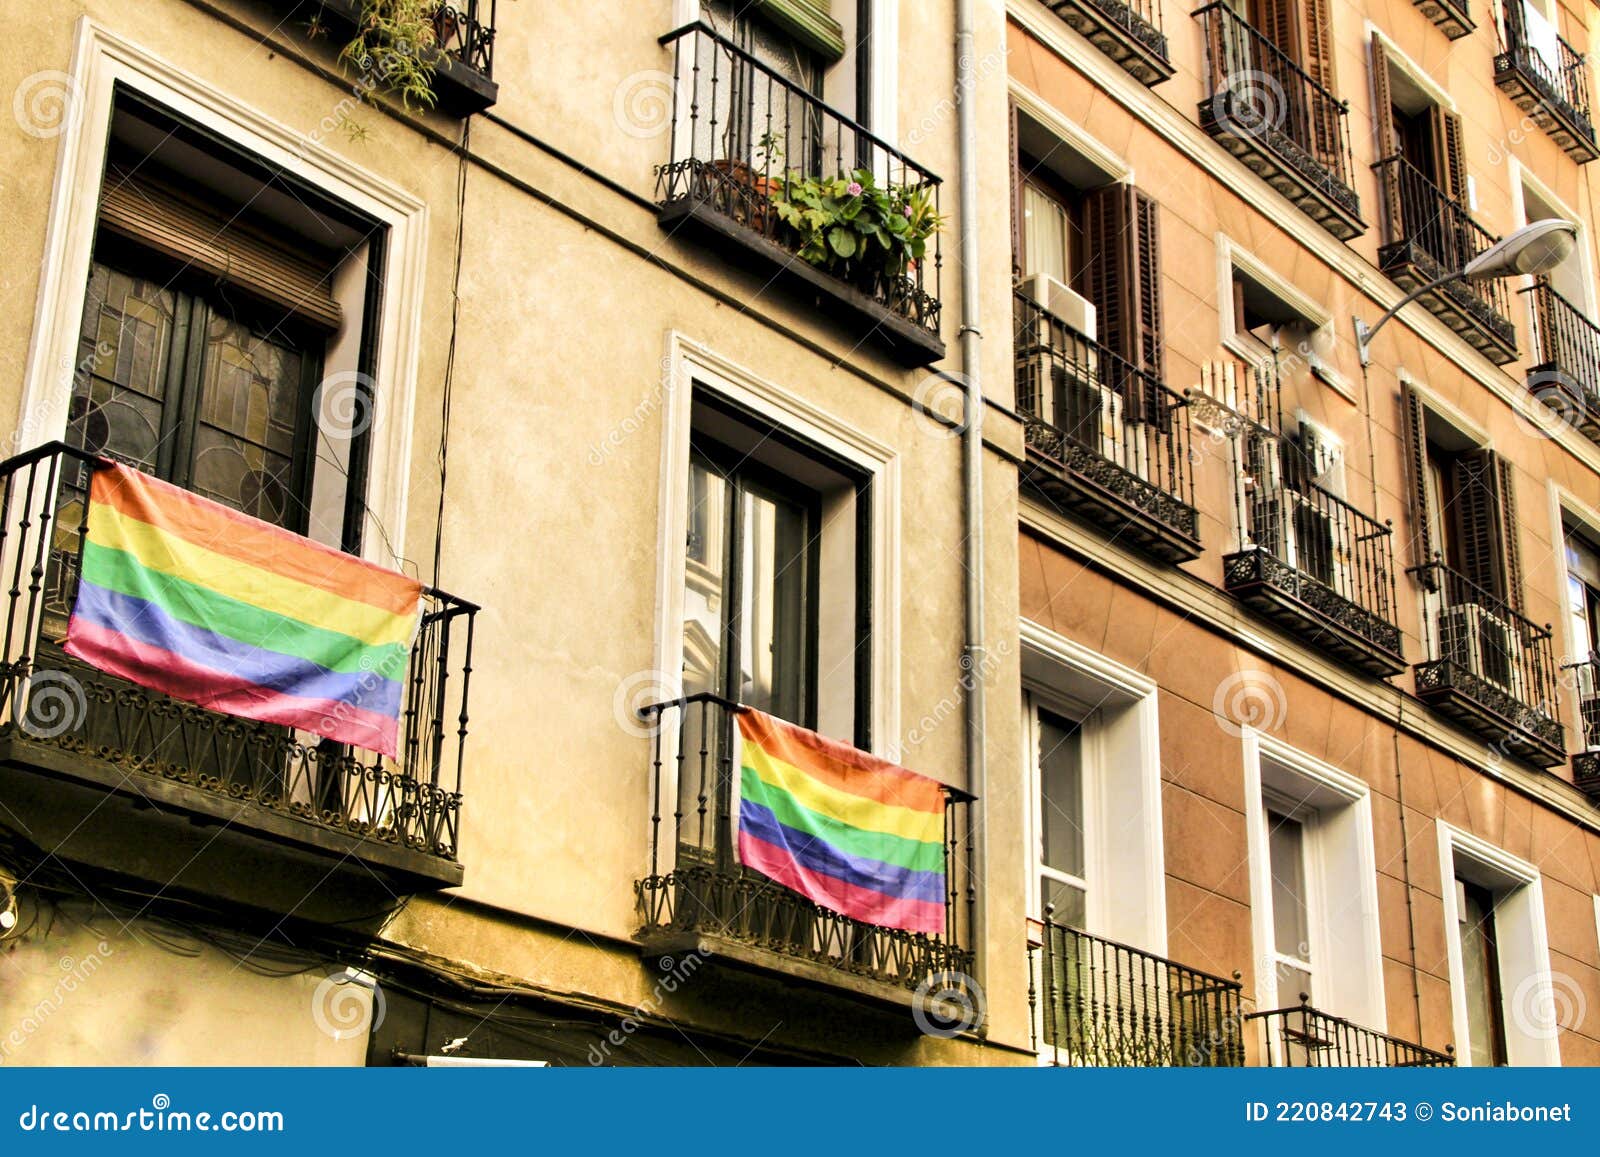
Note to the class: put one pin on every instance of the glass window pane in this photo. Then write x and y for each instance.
(119, 389)
(1069, 901)
(1061, 794)
(1287, 858)
(1474, 907)
(771, 616)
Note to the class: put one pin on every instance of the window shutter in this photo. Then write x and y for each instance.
(1449, 164)
(1318, 60)
(1121, 278)
(1016, 196)
(1478, 513)
(160, 219)
(1510, 530)
(1387, 143)
(1416, 434)
(1279, 22)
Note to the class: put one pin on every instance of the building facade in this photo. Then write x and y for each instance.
(702, 359)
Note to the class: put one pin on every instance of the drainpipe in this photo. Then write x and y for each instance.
(971, 340)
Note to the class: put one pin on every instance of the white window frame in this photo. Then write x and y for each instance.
(1041, 699)
(1523, 179)
(101, 59)
(1346, 944)
(1307, 817)
(1127, 894)
(1521, 942)
(690, 365)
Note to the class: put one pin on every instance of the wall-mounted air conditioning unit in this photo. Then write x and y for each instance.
(1473, 637)
(1068, 306)
(1301, 533)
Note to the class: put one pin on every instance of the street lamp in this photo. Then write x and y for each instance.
(1536, 248)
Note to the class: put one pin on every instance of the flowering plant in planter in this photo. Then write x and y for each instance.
(854, 227)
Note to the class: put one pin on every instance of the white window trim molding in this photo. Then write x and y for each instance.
(1363, 1003)
(1071, 134)
(1527, 891)
(100, 60)
(689, 362)
(1448, 413)
(1564, 507)
(1141, 920)
(1232, 256)
(1521, 178)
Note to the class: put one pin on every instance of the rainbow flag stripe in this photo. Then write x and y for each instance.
(856, 834)
(190, 598)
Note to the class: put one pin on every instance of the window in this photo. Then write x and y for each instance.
(1571, 279)
(1583, 592)
(1291, 920)
(1313, 884)
(1498, 952)
(1058, 743)
(1271, 322)
(1414, 125)
(1480, 973)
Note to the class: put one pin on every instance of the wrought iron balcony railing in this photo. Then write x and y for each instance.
(1430, 234)
(1284, 124)
(1308, 559)
(1452, 16)
(1489, 668)
(1107, 440)
(124, 733)
(1302, 1037)
(1585, 677)
(1564, 369)
(1547, 78)
(745, 137)
(1100, 1003)
(697, 893)
(1130, 32)
(463, 32)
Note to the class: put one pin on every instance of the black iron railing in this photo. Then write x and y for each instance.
(1565, 356)
(696, 884)
(1097, 1002)
(464, 29)
(1584, 677)
(1558, 73)
(1090, 411)
(1482, 649)
(745, 137)
(1302, 1036)
(1437, 233)
(1258, 91)
(48, 697)
(1309, 544)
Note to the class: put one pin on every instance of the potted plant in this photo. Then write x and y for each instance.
(869, 234)
(747, 187)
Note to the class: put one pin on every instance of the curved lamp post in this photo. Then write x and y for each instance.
(1537, 247)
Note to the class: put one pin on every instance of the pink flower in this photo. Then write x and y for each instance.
(853, 188)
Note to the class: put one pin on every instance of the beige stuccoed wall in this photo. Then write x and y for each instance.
(562, 334)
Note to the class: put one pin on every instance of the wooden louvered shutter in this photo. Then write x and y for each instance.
(1449, 164)
(1414, 420)
(1279, 22)
(1326, 122)
(1477, 512)
(1510, 531)
(1016, 197)
(1121, 278)
(203, 241)
(1387, 143)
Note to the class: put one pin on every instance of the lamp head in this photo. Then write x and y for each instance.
(1538, 247)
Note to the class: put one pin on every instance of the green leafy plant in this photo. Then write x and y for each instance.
(854, 227)
(395, 50)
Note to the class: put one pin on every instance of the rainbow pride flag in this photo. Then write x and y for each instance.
(854, 833)
(190, 598)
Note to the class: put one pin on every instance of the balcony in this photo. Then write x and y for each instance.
(1303, 1037)
(1586, 763)
(1547, 79)
(463, 78)
(750, 154)
(1107, 443)
(1564, 369)
(120, 778)
(1431, 234)
(698, 898)
(1489, 668)
(1129, 33)
(1311, 562)
(1100, 1003)
(1284, 125)
(1450, 15)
